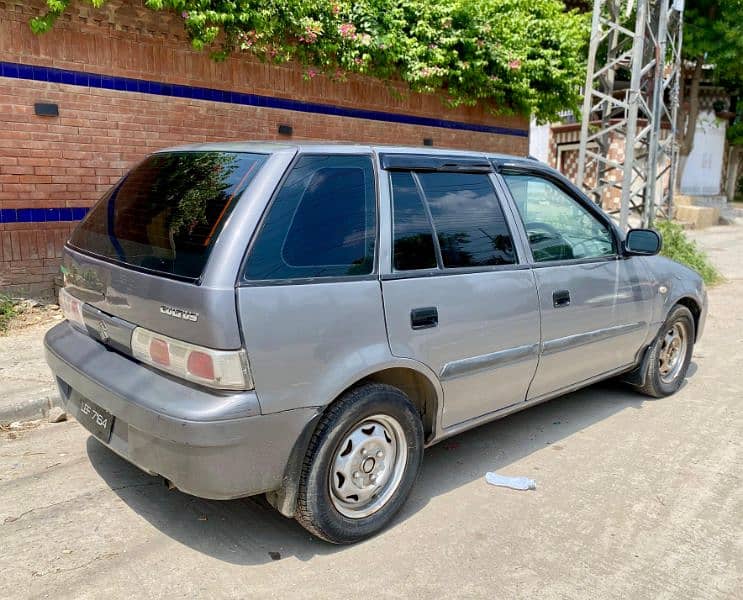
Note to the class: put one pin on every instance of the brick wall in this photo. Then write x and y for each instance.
(53, 167)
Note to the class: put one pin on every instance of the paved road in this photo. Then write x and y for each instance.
(635, 498)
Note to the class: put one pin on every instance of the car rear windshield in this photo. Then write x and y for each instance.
(166, 214)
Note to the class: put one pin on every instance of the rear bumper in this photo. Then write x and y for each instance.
(212, 445)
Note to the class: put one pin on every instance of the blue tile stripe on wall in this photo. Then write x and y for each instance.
(142, 86)
(42, 215)
(127, 84)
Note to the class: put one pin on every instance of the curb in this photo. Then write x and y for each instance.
(36, 408)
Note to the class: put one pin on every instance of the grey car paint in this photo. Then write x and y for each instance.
(598, 331)
(308, 341)
(674, 283)
(485, 345)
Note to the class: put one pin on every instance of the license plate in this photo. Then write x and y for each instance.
(96, 420)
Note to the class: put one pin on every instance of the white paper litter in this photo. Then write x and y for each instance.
(515, 483)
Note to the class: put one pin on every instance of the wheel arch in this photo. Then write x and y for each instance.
(636, 376)
(421, 388)
(694, 308)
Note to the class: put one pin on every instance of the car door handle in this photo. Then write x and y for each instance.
(423, 318)
(561, 298)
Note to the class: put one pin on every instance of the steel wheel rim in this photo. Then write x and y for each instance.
(368, 466)
(672, 352)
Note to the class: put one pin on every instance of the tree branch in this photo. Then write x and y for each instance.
(686, 143)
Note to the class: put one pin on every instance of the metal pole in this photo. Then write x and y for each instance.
(634, 102)
(587, 92)
(678, 5)
(651, 187)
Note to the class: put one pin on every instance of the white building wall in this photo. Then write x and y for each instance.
(539, 141)
(703, 172)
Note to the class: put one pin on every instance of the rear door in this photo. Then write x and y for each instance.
(309, 297)
(456, 297)
(594, 303)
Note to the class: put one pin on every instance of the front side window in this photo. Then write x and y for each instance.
(559, 228)
(470, 227)
(322, 222)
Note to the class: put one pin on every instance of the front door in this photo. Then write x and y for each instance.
(593, 303)
(457, 299)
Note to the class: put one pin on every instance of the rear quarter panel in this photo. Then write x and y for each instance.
(308, 342)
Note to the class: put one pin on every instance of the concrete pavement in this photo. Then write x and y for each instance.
(28, 390)
(635, 498)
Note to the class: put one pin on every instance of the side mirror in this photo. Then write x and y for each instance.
(642, 242)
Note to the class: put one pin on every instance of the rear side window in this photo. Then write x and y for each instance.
(470, 227)
(167, 212)
(322, 222)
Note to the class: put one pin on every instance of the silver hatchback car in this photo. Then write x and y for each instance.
(303, 320)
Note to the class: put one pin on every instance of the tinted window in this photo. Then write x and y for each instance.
(469, 222)
(559, 228)
(413, 235)
(167, 212)
(322, 222)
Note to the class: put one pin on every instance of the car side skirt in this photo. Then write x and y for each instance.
(503, 412)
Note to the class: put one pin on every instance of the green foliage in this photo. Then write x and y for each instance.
(714, 29)
(734, 132)
(7, 312)
(513, 56)
(678, 247)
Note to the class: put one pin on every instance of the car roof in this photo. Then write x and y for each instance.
(264, 147)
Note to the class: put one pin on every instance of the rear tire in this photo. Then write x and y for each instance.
(361, 464)
(670, 354)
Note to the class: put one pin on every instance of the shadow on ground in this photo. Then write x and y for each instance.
(249, 531)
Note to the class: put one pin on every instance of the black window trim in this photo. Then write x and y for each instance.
(242, 281)
(568, 188)
(429, 216)
(119, 263)
(434, 163)
(518, 265)
(431, 224)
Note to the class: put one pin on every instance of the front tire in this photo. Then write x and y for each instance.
(361, 464)
(670, 354)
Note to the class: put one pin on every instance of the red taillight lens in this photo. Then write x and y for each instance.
(159, 352)
(200, 364)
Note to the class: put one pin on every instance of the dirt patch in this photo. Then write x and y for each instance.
(14, 431)
(29, 313)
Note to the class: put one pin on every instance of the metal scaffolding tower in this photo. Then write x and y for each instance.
(630, 105)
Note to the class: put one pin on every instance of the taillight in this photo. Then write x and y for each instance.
(72, 308)
(200, 364)
(222, 369)
(159, 352)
